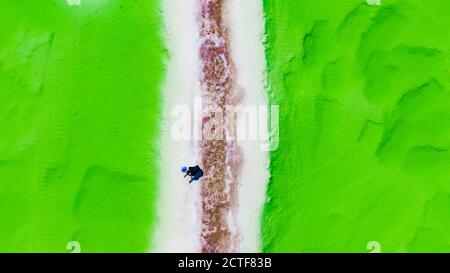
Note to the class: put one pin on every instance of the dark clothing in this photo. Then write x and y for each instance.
(193, 170)
(195, 173)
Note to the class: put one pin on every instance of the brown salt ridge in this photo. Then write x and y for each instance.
(220, 158)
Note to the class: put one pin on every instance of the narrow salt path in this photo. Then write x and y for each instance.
(246, 30)
(178, 203)
(221, 213)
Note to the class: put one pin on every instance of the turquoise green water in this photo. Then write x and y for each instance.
(364, 95)
(79, 114)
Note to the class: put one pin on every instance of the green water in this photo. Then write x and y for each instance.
(364, 95)
(79, 111)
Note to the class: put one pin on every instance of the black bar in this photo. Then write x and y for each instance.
(227, 262)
